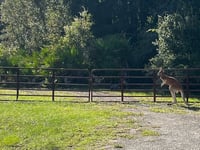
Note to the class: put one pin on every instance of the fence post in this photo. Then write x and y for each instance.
(154, 86)
(187, 87)
(17, 82)
(53, 85)
(90, 87)
(122, 86)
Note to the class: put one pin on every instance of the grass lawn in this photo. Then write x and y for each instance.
(38, 95)
(61, 125)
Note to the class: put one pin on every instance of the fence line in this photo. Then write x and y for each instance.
(124, 83)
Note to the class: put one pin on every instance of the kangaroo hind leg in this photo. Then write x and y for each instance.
(173, 94)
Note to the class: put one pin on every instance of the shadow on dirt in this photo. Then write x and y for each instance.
(192, 107)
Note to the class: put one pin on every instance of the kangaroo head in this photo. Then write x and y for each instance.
(160, 72)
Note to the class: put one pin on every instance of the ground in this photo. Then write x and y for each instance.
(173, 128)
(168, 127)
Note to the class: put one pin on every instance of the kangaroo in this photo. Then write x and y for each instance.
(174, 85)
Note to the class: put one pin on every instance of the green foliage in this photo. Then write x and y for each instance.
(46, 31)
(70, 50)
(57, 16)
(111, 51)
(78, 36)
(142, 50)
(173, 44)
(38, 23)
(4, 54)
(166, 42)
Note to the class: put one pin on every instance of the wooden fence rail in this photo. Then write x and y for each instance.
(92, 85)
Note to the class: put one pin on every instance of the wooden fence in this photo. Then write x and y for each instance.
(92, 85)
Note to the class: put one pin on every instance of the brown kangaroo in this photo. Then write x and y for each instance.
(174, 85)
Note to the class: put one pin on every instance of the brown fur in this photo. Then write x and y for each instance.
(173, 83)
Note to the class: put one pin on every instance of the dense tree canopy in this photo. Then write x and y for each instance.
(100, 33)
(30, 24)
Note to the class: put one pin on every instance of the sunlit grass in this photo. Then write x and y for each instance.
(42, 124)
(39, 95)
(174, 109)
(70, 96)
(8, 94)
(148, 132)
(61, 125)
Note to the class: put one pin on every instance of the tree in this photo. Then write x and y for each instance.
(79, 37)
(30, 24)
(172, 45)
(72, 49)
(166, 41)
(111, 51)
(47, 26)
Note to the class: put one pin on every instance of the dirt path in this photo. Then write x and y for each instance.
(177, 131)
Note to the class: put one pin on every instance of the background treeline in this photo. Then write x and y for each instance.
(100, 33)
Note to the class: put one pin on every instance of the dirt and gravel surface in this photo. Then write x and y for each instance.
(177, 127)
(177, 130)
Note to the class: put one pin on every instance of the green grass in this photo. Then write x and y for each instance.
(148, 132)
(5, 97)
(37, 95)
(141, 96)
(174, 109)
(68, 125)
(61, 125)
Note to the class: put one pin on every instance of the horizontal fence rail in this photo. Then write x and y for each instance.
(92, 85)
(44, 83)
